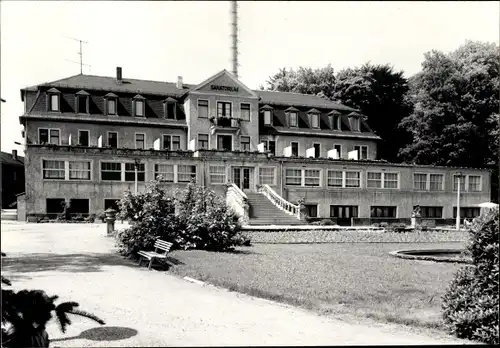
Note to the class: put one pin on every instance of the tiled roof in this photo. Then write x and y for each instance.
(109, 84)
(106, 83)
(6, 158)
(297, 99)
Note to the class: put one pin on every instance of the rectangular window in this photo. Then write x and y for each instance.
(130, 172)
(139, 108)
(203, 141)
(54, 102)
(339, 149)
(217, 174)
(419, 182)
(391, 180)
(224, 142)
(224, 109)
(352, 179)
(295, 148)
(83, 137)
(467, 212)
(186, 173)
(54, 137)
(312, 177)
(382, 212)
(244, 143)
(202, 108)
(336, 122)
(474, 183)
(113, 140)
(167, 142)
(317, 150)
(355, 124)
(245, 111)
(55, 205)
(82, 104)
(176, 142)
(382, 180)
(53, 169)
(436, 182)
(314, 121)
(294, 122)
(343, 211)
(166, 171)
(462, 183)
(111, 106)
(431, 212)
(111, 203)
(111, 171)
(311, 210)
(293, 177)
(79, 206)
(272, 147)
(140, 141)
(335, 178)
(170, 110)
(267, 117)
(362, 151)
(43, 136)
(374, 180)
(79, 170)
(267, 176)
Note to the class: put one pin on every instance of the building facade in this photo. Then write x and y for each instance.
(86, 136)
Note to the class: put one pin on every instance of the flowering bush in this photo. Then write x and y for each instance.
(471, 303)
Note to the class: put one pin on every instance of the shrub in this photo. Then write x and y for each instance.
(151, 215)
(203, 220)
(470, 306)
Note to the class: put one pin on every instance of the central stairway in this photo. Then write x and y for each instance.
(263, 212)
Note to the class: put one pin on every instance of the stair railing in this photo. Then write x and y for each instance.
(238, 201)
(280, 202)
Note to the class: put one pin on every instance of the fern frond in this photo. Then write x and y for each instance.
(87, 315)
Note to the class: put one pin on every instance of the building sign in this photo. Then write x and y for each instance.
(224, 88)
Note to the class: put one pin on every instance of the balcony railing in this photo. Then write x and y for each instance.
(280, 202)
(225, 122)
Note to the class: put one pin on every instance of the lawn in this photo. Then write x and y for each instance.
(358, 279)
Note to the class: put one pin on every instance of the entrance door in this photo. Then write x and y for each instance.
(241, 177)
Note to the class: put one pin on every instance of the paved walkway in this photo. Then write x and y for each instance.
(152, 308)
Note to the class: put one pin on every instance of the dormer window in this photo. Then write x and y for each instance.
(266, 110)
(82, 102)
(293, 117)
(170, 108)
(111, 104)
(139, 103)
(354, 121)
(54, 99)
(335, 119)
(314, 118)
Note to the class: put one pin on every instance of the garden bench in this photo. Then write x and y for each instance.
(152, 255)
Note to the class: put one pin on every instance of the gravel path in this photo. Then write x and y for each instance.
(153, 308)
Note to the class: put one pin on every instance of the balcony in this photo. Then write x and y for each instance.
(224, 123)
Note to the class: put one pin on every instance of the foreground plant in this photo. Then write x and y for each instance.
(26, 313)
(471, 308)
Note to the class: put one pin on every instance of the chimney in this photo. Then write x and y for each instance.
(14, 154)
(179, 82)
(119, 74)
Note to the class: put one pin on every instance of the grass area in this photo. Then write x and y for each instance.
(342, 279)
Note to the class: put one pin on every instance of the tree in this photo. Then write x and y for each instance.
(456, 102)
(380, 93)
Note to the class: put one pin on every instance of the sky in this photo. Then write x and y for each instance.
(161, 40)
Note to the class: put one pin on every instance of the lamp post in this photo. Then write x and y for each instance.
(136, 166)
(458, 202)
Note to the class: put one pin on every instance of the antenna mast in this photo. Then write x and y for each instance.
(234, 36)
(80, 53)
